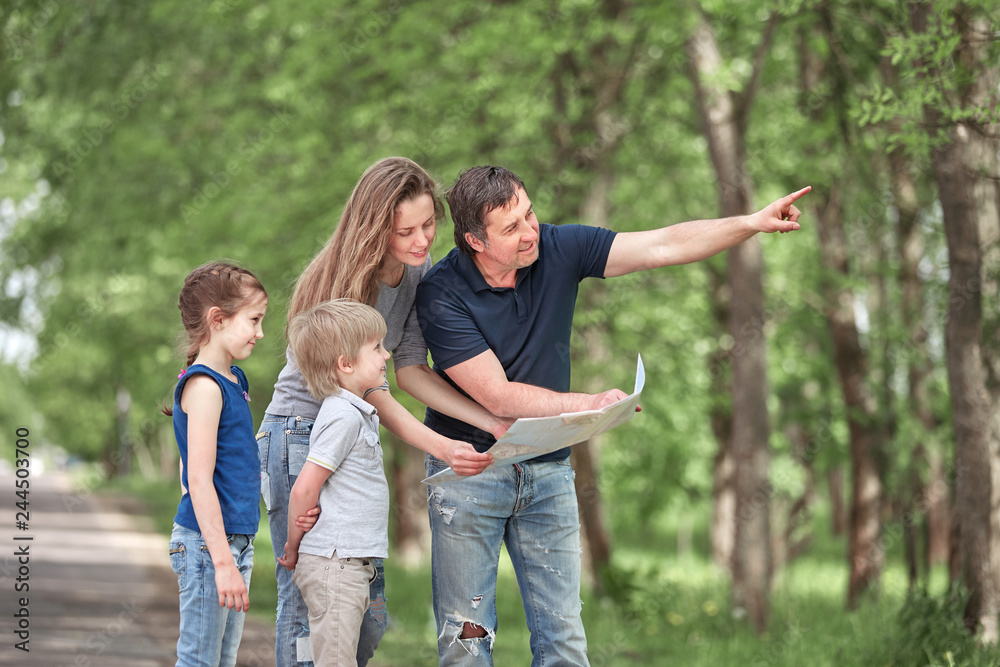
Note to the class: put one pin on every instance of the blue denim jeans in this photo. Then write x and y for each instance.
(210, 634)
(283, 444)
(530, 507)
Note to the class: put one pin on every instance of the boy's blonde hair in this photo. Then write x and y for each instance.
(320, 336)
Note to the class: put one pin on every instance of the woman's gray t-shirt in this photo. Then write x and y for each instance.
(403, 339)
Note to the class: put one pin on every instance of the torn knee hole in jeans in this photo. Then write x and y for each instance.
(456, 626)
(447, 512)
(377, 610)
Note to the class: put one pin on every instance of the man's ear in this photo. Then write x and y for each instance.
(474, 242)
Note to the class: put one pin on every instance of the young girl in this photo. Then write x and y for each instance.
(211, 546)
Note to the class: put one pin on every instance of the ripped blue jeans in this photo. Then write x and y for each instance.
(283, 444)
(531, 507)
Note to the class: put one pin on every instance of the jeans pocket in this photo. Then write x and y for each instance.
(242, 550)
(178, 562)
(297, 455)
(433, 465)
(296, 448)
(263, 450)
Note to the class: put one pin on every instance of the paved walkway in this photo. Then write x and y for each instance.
(102, 593)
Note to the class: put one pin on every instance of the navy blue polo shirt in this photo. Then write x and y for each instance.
(527, 326)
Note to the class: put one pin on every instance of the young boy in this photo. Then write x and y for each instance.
(338, 346)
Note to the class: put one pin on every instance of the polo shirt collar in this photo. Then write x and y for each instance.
(363, 406)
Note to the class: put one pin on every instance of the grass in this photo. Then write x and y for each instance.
(670, 609)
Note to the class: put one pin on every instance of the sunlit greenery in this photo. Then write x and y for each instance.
(140, 139)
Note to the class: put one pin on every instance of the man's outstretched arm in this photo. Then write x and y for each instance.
(696, 240)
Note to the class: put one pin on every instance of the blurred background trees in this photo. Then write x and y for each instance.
(851, 368)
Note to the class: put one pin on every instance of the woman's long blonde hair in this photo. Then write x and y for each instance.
(348, 265)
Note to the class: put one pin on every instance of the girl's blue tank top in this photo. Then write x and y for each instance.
(237, 469)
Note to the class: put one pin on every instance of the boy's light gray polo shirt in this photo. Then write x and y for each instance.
(354, 500)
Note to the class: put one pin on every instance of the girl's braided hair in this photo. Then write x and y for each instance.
(214, 285)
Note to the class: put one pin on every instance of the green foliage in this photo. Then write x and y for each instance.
(142, 139)
(929, 630)
(930, 74)
(16, 412)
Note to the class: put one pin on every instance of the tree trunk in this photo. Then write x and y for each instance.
(411, 530)
(956, 555)
(723, 119)
(720, 391)
(865, 551)
(931, 498)
(751, 429)
(168, 454)
(794, 537)
(937, 504)
(594, 534)
(975, 439)
(605, 74)
(835, 480)
(595, 528)
(966, 170)
(123, 457)
(910, 244)
(723, 506)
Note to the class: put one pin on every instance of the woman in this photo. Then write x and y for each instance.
(377, 255)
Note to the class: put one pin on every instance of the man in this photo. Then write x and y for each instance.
(496, 314)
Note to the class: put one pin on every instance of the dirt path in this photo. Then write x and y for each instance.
(101, 592)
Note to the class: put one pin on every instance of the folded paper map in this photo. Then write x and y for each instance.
(533, 436)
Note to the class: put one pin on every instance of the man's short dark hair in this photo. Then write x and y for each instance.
(477, 192)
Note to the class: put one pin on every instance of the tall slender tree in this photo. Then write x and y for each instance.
(963, 106)
(724, 120)
(866, 433)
